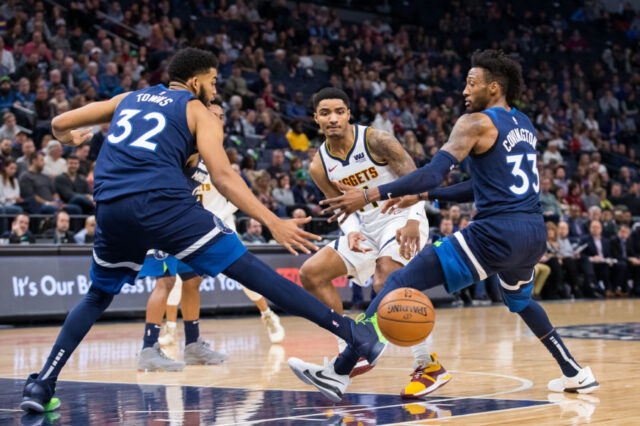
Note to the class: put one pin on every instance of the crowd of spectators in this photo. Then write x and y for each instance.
(581, 69)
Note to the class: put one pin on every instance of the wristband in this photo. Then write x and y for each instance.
(366, 199)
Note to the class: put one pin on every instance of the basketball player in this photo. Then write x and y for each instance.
(373, 243)
(507, 235)
(175, 279)
(144, 201)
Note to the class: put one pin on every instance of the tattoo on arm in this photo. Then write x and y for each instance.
(386, 147)
(466, 133)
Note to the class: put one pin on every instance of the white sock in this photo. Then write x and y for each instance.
(265, 313)
(342, 344)
(421, 353)
(171, 325)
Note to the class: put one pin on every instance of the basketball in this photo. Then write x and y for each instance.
(406, 316)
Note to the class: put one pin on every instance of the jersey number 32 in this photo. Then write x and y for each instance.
(144, 141)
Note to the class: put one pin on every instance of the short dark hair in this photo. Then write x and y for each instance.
(502, 69)
(189, 62)
(33, 156)
(72, 157)
(330, 93)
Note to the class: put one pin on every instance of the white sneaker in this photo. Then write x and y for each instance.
(168, 336)
(583, 382)
(272, 322)
(328, 382)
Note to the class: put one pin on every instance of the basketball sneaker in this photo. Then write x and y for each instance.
(168, 336)
(426, 378)
(272, 322)
(200, 353)
(37, 395)
(153, 359)
(324, 378)
(583, 382)
(367, 338)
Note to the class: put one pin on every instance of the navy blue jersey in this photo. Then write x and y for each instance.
(147, 146)
(505, 178)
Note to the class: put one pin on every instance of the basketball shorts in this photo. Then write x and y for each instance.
(381, 238)
(160, 264)
(168, 220)
(509, 246)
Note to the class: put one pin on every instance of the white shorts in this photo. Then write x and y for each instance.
(381, 237)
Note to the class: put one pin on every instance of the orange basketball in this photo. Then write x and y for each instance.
(406, 316)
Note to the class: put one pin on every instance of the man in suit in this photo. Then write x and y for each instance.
(634, 260)
(595, 257)
(576, 223)
(622, 251)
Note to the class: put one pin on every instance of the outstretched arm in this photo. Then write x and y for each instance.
(467, 132)
(68, 127)
(460, 193)
(209, 137)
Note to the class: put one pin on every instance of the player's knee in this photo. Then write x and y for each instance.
(515, 305)
(165, 284)
(384, 268)
(311, 276)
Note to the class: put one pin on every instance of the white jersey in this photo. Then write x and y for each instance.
(210, 197)
(359, 169)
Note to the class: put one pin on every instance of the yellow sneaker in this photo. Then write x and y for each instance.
(426, 378)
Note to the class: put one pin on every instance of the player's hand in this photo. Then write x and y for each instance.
(392, 204)
(293, 238)
(79, 136)
(354, 239)
(408, 237)
(349, 202)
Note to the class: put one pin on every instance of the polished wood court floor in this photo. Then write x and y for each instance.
(489, 351)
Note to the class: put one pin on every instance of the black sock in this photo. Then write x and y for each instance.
(151, 333)
(253, 273)
(76, 326)
(191, 331)
(536, 318)
(346, 361)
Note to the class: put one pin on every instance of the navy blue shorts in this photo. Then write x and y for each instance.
(160, 264)
(169, 220)
(509, 246)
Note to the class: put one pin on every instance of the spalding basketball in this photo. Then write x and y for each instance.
(406, 316)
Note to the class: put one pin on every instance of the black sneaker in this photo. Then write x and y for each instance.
(37, 395)
(367, 338)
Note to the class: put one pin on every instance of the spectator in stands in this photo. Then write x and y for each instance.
(604, 202)
(9, 192)
(622, 251)
(254, 233)
(276, 138)
(616, 197)
(277, 164)
(236, 84)
(28, 148)
(305, 192)
(633, 199)
(110, 81)
(297, 108)
(444, 230)
(382, 121)
(554, 287)
(299, 214)
(54, 164)
(7, 63)
(87, 234)
(609, 226)
(574, 196)
(298, 140)
(263, 190)
(38, 190)
(10, 128)
(59, 103)
(73, 187)
(283, 193)
(82, 152)
(20, 233)
(25, 97)
(552, 155)
(97, 140)
(570, 258)
(60, 233)
(7, 94)
(550, 205)
(596, 258)
(5, 150)
(576, 222)
(589, 199)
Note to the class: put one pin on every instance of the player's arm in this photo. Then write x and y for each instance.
(209, 136)
(386, 148)
(467, 132)
(68, 127)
